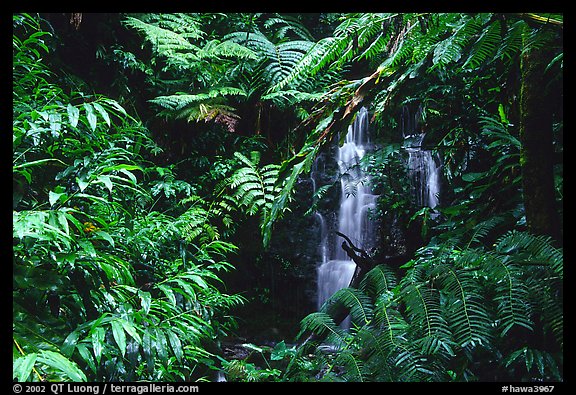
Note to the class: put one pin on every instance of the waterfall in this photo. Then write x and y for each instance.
(424, 171)
(335, 269)
(424, 167)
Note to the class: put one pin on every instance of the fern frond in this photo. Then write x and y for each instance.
(464, 308)
(353, 366)
(511, 44)
(538, 249)
(214, 49)
(547, 300)
(288, 24)
(164, 41)
(390, 322)
(359, 304)
(321, 324)
(424, 309)
(450, 49)
(378, 280)
(187, 25)
(255, 187)
(512, 294)
(482, 229)
(486, 47)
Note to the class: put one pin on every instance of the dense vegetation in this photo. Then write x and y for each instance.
(157, 168)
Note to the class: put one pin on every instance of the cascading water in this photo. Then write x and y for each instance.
(336, 268)
(424, 167)
(424, 171)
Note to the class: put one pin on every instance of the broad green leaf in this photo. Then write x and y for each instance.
(104, 235)
(23, 367)
(87, 356)
(129, 328)
(253, 347)
(98, 336)
(115, 104)
(145, 300)
(73, 115)
(58, 220)
(472, 177)
(82, 184)
(37, 162)
(55, 124)
(102, 112)
(131, 176)
(88, 247)
(119, 335)
(176, 344)
(106, 181)
(279, 351)
(54, 197)
(120, 167)
(90, 115)
(197, 279)
(168, 292)
(148, 350)
(161, 346)
(61, 363)
(502, 114)
(70, 343)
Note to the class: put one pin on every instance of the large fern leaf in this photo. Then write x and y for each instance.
(486, 46)
(464, 307)
(356, 301)
(378, 280)
(255, 187)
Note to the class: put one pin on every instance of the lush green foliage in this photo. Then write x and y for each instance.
(453, 308)
(123, 233)
(105, 287)
(479, 283)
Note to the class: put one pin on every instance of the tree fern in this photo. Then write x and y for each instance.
(202, 106)
(255, 187)
(451, 49)
(165, 40)
(276, 60)
(284, 25)
(353, 34)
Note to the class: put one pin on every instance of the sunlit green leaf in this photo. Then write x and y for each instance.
(73, 115)
(90, 115)
(119, 335)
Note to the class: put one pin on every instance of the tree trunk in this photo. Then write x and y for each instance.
(536, 135)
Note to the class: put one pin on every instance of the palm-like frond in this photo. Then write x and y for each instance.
(535, 250)
(321, 323)
(378, 280)
(276, 60)
(465, 308)
(513, 298)
(255, 187)
(359, 304)
(350, 37)
(285, 24)
(486, 46)
(165, 40)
